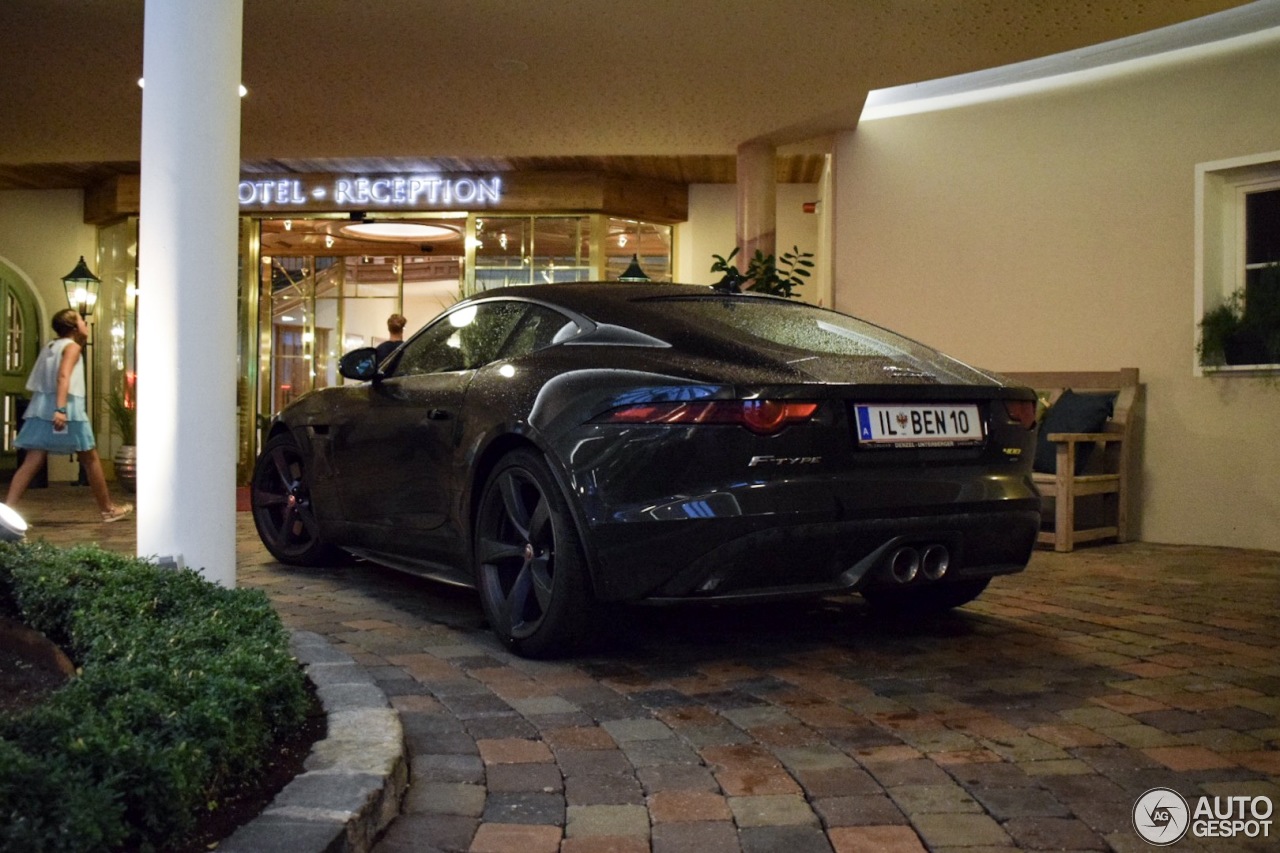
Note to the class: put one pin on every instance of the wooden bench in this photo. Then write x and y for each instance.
(1112, 464)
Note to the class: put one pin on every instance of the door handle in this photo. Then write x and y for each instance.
(439, 414)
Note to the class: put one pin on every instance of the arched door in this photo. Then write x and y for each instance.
(21, 342)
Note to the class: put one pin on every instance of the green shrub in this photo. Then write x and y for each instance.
(88, 816)
(183, 685)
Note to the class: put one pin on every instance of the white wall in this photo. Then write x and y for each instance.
(1057, 232)
(42, 235)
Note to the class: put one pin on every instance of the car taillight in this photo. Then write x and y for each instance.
(763, 417)
(1021, 412)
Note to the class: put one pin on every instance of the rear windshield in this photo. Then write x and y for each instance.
(798, 326)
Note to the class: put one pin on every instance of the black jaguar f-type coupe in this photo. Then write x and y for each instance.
(567, 446)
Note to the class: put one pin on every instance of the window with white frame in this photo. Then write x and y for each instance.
(1238, 265)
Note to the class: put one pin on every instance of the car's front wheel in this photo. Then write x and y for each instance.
(530, 567)
(282, 510)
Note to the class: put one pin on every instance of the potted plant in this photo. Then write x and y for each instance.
(1244, 329)
(765, 274)
(124, 416)
(1217, 326)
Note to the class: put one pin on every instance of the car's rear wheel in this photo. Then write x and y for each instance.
(530, 567)
(282, 510)
(925, 600)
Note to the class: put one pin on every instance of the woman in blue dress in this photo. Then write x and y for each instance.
(56, 420)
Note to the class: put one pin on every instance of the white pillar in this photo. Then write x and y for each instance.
(822, 289)
(842, 197)
(757, 201)
(187, 276)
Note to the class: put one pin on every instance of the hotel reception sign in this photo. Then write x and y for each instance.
(382, 192)
(296, 194)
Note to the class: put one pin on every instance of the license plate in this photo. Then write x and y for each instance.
(919, 425)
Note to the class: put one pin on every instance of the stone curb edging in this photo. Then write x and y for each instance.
(353, 779)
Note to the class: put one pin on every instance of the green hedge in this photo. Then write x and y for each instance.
(183, 685)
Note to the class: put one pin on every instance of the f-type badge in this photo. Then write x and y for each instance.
(783, 460)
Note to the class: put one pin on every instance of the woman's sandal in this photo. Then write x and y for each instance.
(116, 513)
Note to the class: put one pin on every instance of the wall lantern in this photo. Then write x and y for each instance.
(633, 272)
(82, 289)
(82, 295)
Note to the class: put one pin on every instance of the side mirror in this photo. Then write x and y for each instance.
(360, 364)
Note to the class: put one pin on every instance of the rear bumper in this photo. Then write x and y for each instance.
(754, 559)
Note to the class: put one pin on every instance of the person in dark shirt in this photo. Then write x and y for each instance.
(395, 327)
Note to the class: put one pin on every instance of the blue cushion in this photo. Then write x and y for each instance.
(1071, 413)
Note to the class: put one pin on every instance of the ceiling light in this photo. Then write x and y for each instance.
(328, 241)
(288, 225)
(412, 231)
(634, 272)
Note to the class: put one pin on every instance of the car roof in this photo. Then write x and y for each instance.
(610, 301)
(647, 308)
(584, 293)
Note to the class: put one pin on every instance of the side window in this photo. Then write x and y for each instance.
(429, 352)
(483, 338)
(536, 331)
(461, 340)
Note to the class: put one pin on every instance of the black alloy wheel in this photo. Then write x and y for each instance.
(282, 509)
(530, 567)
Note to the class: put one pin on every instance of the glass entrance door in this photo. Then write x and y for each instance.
(327, 284)
(324, 292)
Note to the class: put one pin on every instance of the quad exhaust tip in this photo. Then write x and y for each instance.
(934, 562)
(904, 565)
(931, 563)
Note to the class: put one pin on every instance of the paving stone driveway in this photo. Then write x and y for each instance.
(1032, 719)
